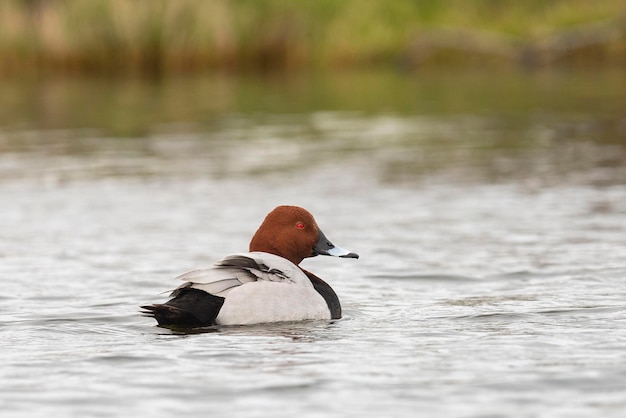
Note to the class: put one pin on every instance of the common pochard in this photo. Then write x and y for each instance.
(263, 285)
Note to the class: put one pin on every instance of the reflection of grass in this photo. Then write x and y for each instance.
(186, 35)
(138, 106)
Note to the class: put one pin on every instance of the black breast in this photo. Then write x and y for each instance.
(327, 292)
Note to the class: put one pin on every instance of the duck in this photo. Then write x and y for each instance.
(264, 285)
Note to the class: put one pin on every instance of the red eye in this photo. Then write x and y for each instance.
(300, 225)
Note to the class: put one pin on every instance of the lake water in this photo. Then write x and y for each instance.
(489, 212)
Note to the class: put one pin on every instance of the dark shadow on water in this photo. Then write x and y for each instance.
(296, 331)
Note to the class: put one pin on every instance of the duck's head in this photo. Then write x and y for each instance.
(291, 232)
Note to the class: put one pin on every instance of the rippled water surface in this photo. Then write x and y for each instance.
(492, 277)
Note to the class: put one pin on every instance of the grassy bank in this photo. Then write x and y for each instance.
(161, 36)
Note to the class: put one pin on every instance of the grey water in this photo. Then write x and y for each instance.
(489, 213)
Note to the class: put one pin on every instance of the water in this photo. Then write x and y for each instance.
(490, 283)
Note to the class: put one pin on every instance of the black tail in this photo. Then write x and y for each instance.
(190, 308)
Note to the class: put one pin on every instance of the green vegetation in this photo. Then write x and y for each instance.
(163, 36)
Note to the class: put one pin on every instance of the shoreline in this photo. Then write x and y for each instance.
(160, 38)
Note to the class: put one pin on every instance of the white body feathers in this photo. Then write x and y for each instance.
(258, 287)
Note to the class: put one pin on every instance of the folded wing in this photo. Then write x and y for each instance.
(238, 269)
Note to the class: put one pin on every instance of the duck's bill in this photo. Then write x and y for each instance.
(341, 252)
(325, 247)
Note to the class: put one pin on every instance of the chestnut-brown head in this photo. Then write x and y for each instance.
(291, 232)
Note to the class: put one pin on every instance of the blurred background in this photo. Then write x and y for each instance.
(128, 66)
(472, 152)
(463, 82)
(165, 38)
